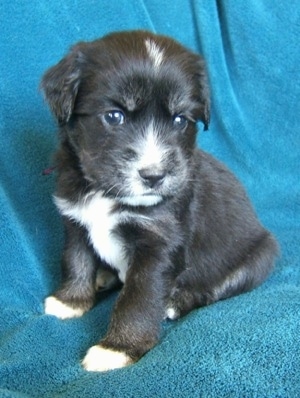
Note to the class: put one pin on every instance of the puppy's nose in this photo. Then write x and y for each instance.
(151, 177)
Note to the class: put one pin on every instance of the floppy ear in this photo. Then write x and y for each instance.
(204, 95)
(60, 84)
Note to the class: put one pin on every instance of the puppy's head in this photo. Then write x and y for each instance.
(128, 105)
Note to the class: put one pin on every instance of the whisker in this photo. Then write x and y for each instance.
(91, 156)
(111, 188)
(117, 194)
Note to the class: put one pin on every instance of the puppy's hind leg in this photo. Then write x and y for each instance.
(184, 298)
(253, 268)
(192, 291)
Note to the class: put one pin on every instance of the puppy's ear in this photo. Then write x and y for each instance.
(204, 95)
(60, 84)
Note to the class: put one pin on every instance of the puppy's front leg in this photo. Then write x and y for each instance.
(135, 322)
(77, 292)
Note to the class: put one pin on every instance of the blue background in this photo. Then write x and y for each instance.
(246, 346)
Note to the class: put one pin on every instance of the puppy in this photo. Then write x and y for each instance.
(141, 205)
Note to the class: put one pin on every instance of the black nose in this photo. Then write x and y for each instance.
(152, 178)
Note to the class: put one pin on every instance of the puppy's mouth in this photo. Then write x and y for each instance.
(144, 187)
(136, 187)
(147, 199)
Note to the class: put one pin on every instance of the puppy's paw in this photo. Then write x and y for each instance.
(105, 280)
(100, 359)
(55, 307)
(172, 313)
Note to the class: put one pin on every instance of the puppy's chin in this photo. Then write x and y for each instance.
(141, 200)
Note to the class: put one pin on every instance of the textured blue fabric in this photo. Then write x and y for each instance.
(248, 346)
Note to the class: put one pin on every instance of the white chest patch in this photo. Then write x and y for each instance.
(95, 214)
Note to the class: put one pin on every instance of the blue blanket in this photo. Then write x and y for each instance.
(248, 346)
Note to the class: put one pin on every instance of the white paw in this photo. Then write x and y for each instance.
(171, 313)
(55, 307)
(99, 359)
(105, 279)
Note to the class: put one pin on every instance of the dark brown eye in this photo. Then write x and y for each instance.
(180, 121)
(114, 118)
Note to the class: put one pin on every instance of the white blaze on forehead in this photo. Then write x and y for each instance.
(155, 53)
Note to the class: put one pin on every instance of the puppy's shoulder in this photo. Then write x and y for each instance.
(205, 162)
(216, 185)
(211, 169)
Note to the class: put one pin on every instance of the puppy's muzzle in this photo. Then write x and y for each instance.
(152, 178)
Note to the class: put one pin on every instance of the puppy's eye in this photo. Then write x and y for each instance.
(180, 121)
(114, 118)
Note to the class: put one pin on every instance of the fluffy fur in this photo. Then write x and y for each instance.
(141, 205)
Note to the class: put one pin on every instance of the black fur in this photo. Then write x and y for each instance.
(203, 242)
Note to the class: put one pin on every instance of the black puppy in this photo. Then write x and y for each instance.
(141, 205)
